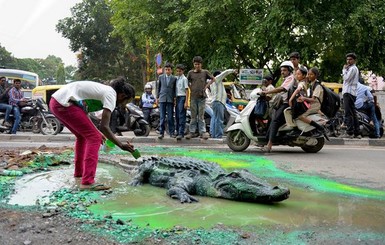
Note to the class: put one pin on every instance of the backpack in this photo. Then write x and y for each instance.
(261, 106)
(331, 101)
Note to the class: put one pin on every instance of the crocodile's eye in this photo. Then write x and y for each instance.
(234, 175)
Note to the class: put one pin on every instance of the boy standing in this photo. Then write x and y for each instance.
(181, 101)
(165, 100)
(197, 79)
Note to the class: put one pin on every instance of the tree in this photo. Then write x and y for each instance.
(256, 33)
(102, 56)
(60, 75)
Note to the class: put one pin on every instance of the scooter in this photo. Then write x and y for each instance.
(129, 118)
(293, 133)
(35, 117)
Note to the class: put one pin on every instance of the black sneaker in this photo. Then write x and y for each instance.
(179, 137)
(161, 136)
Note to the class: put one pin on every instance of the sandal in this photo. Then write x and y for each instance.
(266, 149)
(94, 187)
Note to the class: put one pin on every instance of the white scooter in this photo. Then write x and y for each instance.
(293, 133)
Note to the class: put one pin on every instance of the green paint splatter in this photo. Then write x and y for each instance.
(265, 168)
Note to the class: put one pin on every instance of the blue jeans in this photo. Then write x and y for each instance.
(369, 109)
(16, 114)
(166, 107)
(8, 109)
(146, 114)
(180, 115)
(219, 115)
(197, 107)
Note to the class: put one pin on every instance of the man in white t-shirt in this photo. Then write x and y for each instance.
(71, 104)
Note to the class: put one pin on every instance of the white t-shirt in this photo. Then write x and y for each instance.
(90, 96)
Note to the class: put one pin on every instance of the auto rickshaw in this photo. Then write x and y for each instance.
(237, 94)
(45, 92)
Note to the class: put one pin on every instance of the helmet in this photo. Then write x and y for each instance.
(147, 86)
(287, 64)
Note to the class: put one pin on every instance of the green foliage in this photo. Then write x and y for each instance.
(60, 75)
(102, 55)
(232, 33)
(45, 68)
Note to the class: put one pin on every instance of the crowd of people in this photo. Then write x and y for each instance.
(300, 91)
(174, 93)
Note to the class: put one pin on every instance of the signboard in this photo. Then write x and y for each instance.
(251, 76)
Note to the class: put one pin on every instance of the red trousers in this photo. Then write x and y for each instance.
(88, 139)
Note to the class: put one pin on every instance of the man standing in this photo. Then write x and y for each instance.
(181, 101)
(218, 104)
(350, 76)
(165, 99)
(15, 100)
(197, 79)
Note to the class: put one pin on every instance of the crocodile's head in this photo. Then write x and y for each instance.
(244, 186)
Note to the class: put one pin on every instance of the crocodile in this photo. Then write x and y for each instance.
(184, 177)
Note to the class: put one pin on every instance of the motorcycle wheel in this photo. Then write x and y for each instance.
(314, 148)
(52, 127)
(237, 140)
(144, 129)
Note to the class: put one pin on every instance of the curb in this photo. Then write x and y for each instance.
(154, 139)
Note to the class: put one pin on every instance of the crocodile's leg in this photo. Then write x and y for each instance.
(181, 194)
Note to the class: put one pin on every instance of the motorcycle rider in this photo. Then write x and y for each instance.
(4, 102)
(313, 101)
(279, 118)
(147, 102)
(16, 100)
(365, 103)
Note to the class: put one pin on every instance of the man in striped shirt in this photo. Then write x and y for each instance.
(15, 99)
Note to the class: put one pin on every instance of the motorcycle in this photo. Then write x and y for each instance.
(335, 126)
(366, 128)
(35, 117)
(293, 133)
(125, 119)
